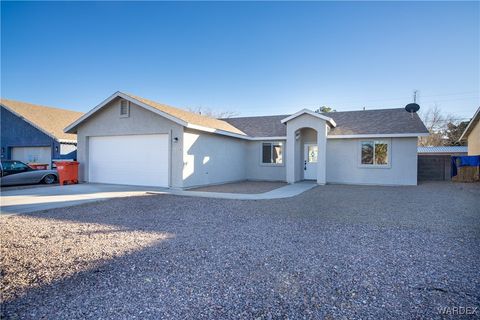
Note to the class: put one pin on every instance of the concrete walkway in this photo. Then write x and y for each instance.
(287, 191)
(41, 198)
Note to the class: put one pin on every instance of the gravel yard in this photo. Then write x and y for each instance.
(333, 252)
(245, 187)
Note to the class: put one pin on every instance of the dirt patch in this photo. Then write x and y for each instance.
(244, 187)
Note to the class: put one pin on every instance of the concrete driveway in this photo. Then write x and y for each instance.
(43, 198)
(38, 198)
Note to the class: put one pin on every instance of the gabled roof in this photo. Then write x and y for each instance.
(382, 122)
(312, 113)
(49, 120)
(471, 124)
(182, 117)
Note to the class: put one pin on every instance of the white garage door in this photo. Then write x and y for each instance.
(134, 159)
(32, 154)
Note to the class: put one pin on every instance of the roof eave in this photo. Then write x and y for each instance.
(312, 113)
(378, 135)
(217, 131)
(468, 128)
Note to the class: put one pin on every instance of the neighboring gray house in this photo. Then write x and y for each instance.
(132, 140)
(34, 134)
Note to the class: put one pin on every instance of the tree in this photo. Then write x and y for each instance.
(213, 114)
(325, 109)
(454, 132)
(443, 128)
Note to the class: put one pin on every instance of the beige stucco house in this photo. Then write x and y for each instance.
(131, 140)
(472, 135)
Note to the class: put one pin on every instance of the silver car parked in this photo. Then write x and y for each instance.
(16, 172)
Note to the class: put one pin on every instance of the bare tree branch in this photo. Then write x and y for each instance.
(437, 124)
(213, 113)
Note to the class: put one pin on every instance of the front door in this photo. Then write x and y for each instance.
(310, 161)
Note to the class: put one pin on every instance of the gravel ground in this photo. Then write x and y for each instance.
(246, 187)
(334, 252)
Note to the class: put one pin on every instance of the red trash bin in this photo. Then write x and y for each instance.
(38, 166)
(67, 172)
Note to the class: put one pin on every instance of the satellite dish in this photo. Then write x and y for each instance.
(413, 107)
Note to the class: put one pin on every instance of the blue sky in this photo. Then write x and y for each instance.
(253, 58)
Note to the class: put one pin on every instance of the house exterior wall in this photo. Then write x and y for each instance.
(256, 170)
(16, 132)
(212, 159)
(108, 122)
(343, 163)
(473, 140)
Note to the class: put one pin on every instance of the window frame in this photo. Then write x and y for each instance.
(126, 115)
(374, 165)
(272, 144)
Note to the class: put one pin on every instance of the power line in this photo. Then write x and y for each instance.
(421, 96)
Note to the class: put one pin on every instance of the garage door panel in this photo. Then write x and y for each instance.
(32, 154)
(132, 159)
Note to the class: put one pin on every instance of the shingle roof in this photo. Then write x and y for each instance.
(265, 126)
(381, 121)
(50, 120)
(443, 149)
(190, 117)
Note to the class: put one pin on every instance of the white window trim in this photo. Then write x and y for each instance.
(128, 109)
(282, 144)
(374, 166)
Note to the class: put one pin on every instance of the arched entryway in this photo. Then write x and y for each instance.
(306, 146)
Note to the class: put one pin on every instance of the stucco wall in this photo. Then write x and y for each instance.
(108, 122)
(295, 154)
(16, 132)
(256, 170)
(474, 141)
(212, 159)
(343, 163)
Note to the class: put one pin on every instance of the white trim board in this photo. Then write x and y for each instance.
(312, 113)
(386, 135)
(350, 136)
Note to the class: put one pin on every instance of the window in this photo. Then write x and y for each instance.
(312, 153)
(14, 166)
(272, 153)
(374, 152)
(124, 108)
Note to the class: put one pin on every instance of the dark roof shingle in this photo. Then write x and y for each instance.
(381, 121)
(264, 126)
